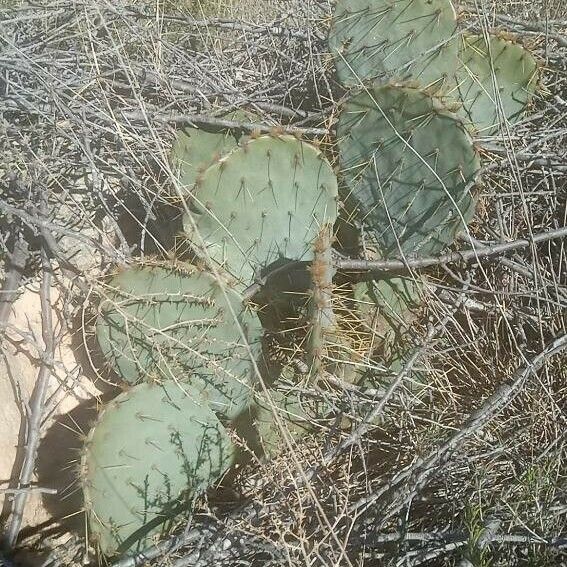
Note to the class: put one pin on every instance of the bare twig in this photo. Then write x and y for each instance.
(200, 121)
(36, 407)
(29, 490)
(450, 258)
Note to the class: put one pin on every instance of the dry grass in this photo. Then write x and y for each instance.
(95, 92)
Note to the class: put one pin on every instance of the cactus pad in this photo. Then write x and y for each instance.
(263, 202)
(379, 40)
(388, 309)
(409, 165)
(298, 414)
(152, 450)
(195, 149)
(496, 81)
(158, 324)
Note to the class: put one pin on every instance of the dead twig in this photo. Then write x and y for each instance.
(450, 258)
(203, 121)
(36, 407)
(15, 266)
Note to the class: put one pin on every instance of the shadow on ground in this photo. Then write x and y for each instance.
(58, 463)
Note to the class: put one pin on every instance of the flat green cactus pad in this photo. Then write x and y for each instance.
(161, 324)
(388, 307)
(152, 450)
(409, 165)
(263, 202)
(195, 149)
(496, 81)
(379, 40)
(298, 415)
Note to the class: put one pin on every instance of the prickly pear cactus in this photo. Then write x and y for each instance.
(296, 419)
(263, 202)
(163, 324)
(495, 81)
(152, 450)
(380, 40)
(184, 340)
(298, 413)
(387, 307)
(195, 149)
(409, 164)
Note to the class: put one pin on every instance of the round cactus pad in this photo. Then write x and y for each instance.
(152, 450)
(409, 164)
(496, 81)
(265, 201)
(195, 149)
(161, 324)
(379, 40)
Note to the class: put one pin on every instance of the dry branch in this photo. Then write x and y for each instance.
(36, 408)
(473, 255)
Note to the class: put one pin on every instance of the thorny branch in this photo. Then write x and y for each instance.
(14, 269)
(478, 253)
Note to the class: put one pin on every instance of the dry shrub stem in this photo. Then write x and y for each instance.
(35, 408)
(202, 121)
(476, 254)
(15, 267)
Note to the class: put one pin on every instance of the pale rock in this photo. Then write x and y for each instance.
(19, 368)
